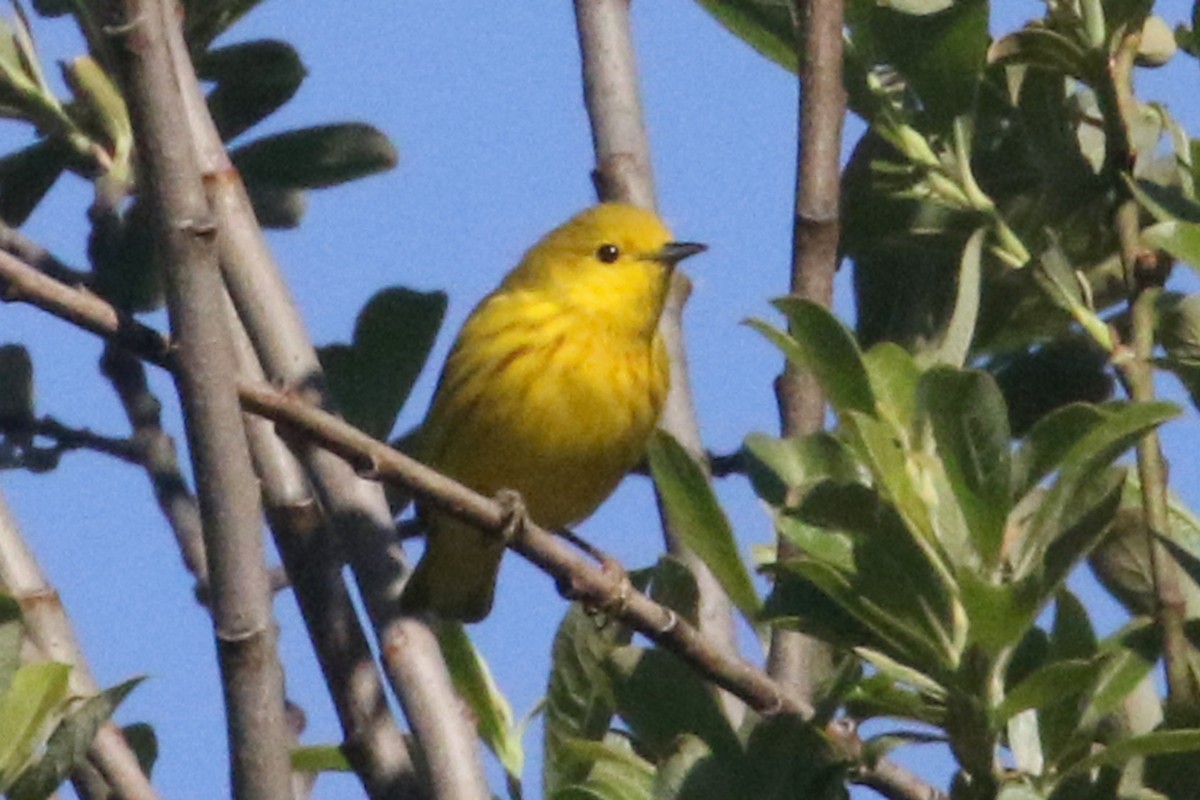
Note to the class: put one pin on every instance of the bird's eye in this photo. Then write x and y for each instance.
(608, 253)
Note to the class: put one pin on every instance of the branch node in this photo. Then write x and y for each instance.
(124, 28)
(202, 227)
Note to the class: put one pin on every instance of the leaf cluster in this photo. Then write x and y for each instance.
(48, 727)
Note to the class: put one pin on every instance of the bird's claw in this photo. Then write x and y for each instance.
(513, 513)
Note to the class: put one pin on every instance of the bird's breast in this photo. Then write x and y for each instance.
(560, 414)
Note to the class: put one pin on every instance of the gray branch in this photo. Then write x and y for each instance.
(799, 660)
(170, 183)
(623, 172)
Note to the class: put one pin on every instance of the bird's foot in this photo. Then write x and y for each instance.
(514, 514)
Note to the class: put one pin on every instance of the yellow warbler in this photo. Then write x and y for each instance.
(552, 389)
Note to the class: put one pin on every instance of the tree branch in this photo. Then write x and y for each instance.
(357, 508)
(50, 631)
(799, 660)
(623, 172)
(169, 182)
(159, 459)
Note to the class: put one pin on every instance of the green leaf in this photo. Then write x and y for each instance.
(1049, 441)
(693, 772)
(696, 516)
(69, 743)
(673, 585)
(782, 469)
(1064, 286)
(1120, 751)
(207, 19)
(1046, 49)
(1039, 381)
(660, 697)
(881, 447)
(53, 8)
(819, 342)
(144, 743)
(940, 51)
(579, 701)
(765, 25)
(36, 692)
(1080, 527)
(253, 80)
(317, 157)
(998, 614)
(894, 376)
(788, 758)
(320, 758)
(970, 425)
(1072, 635)
(277, 207)
(100, 108)
(879, 696)
(26, 176)
(16, 386)
(1081, 467)
(1045, 687)
(615, 773)
(372, 377)
(11, 635)
(1180, 239)
(490, 709)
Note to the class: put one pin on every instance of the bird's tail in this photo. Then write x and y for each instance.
(456, 577)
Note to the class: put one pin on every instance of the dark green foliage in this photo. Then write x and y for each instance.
(371, 377)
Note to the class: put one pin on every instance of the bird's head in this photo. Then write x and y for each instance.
(612, 259)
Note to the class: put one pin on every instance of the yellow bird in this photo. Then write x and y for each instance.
(552, 389)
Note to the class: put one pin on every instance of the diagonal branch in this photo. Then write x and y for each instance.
(170, 185)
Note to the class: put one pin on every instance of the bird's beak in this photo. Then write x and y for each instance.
(674, 252)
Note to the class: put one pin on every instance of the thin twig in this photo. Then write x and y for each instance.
(623, 172)
(170, 185)
(1144, 278)
(50, 631)
(801, 661)
(18, 244)
(445, 493)
(157, 455)
(63, 438)
(357, 509)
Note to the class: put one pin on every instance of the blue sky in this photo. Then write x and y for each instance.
(483, 102)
